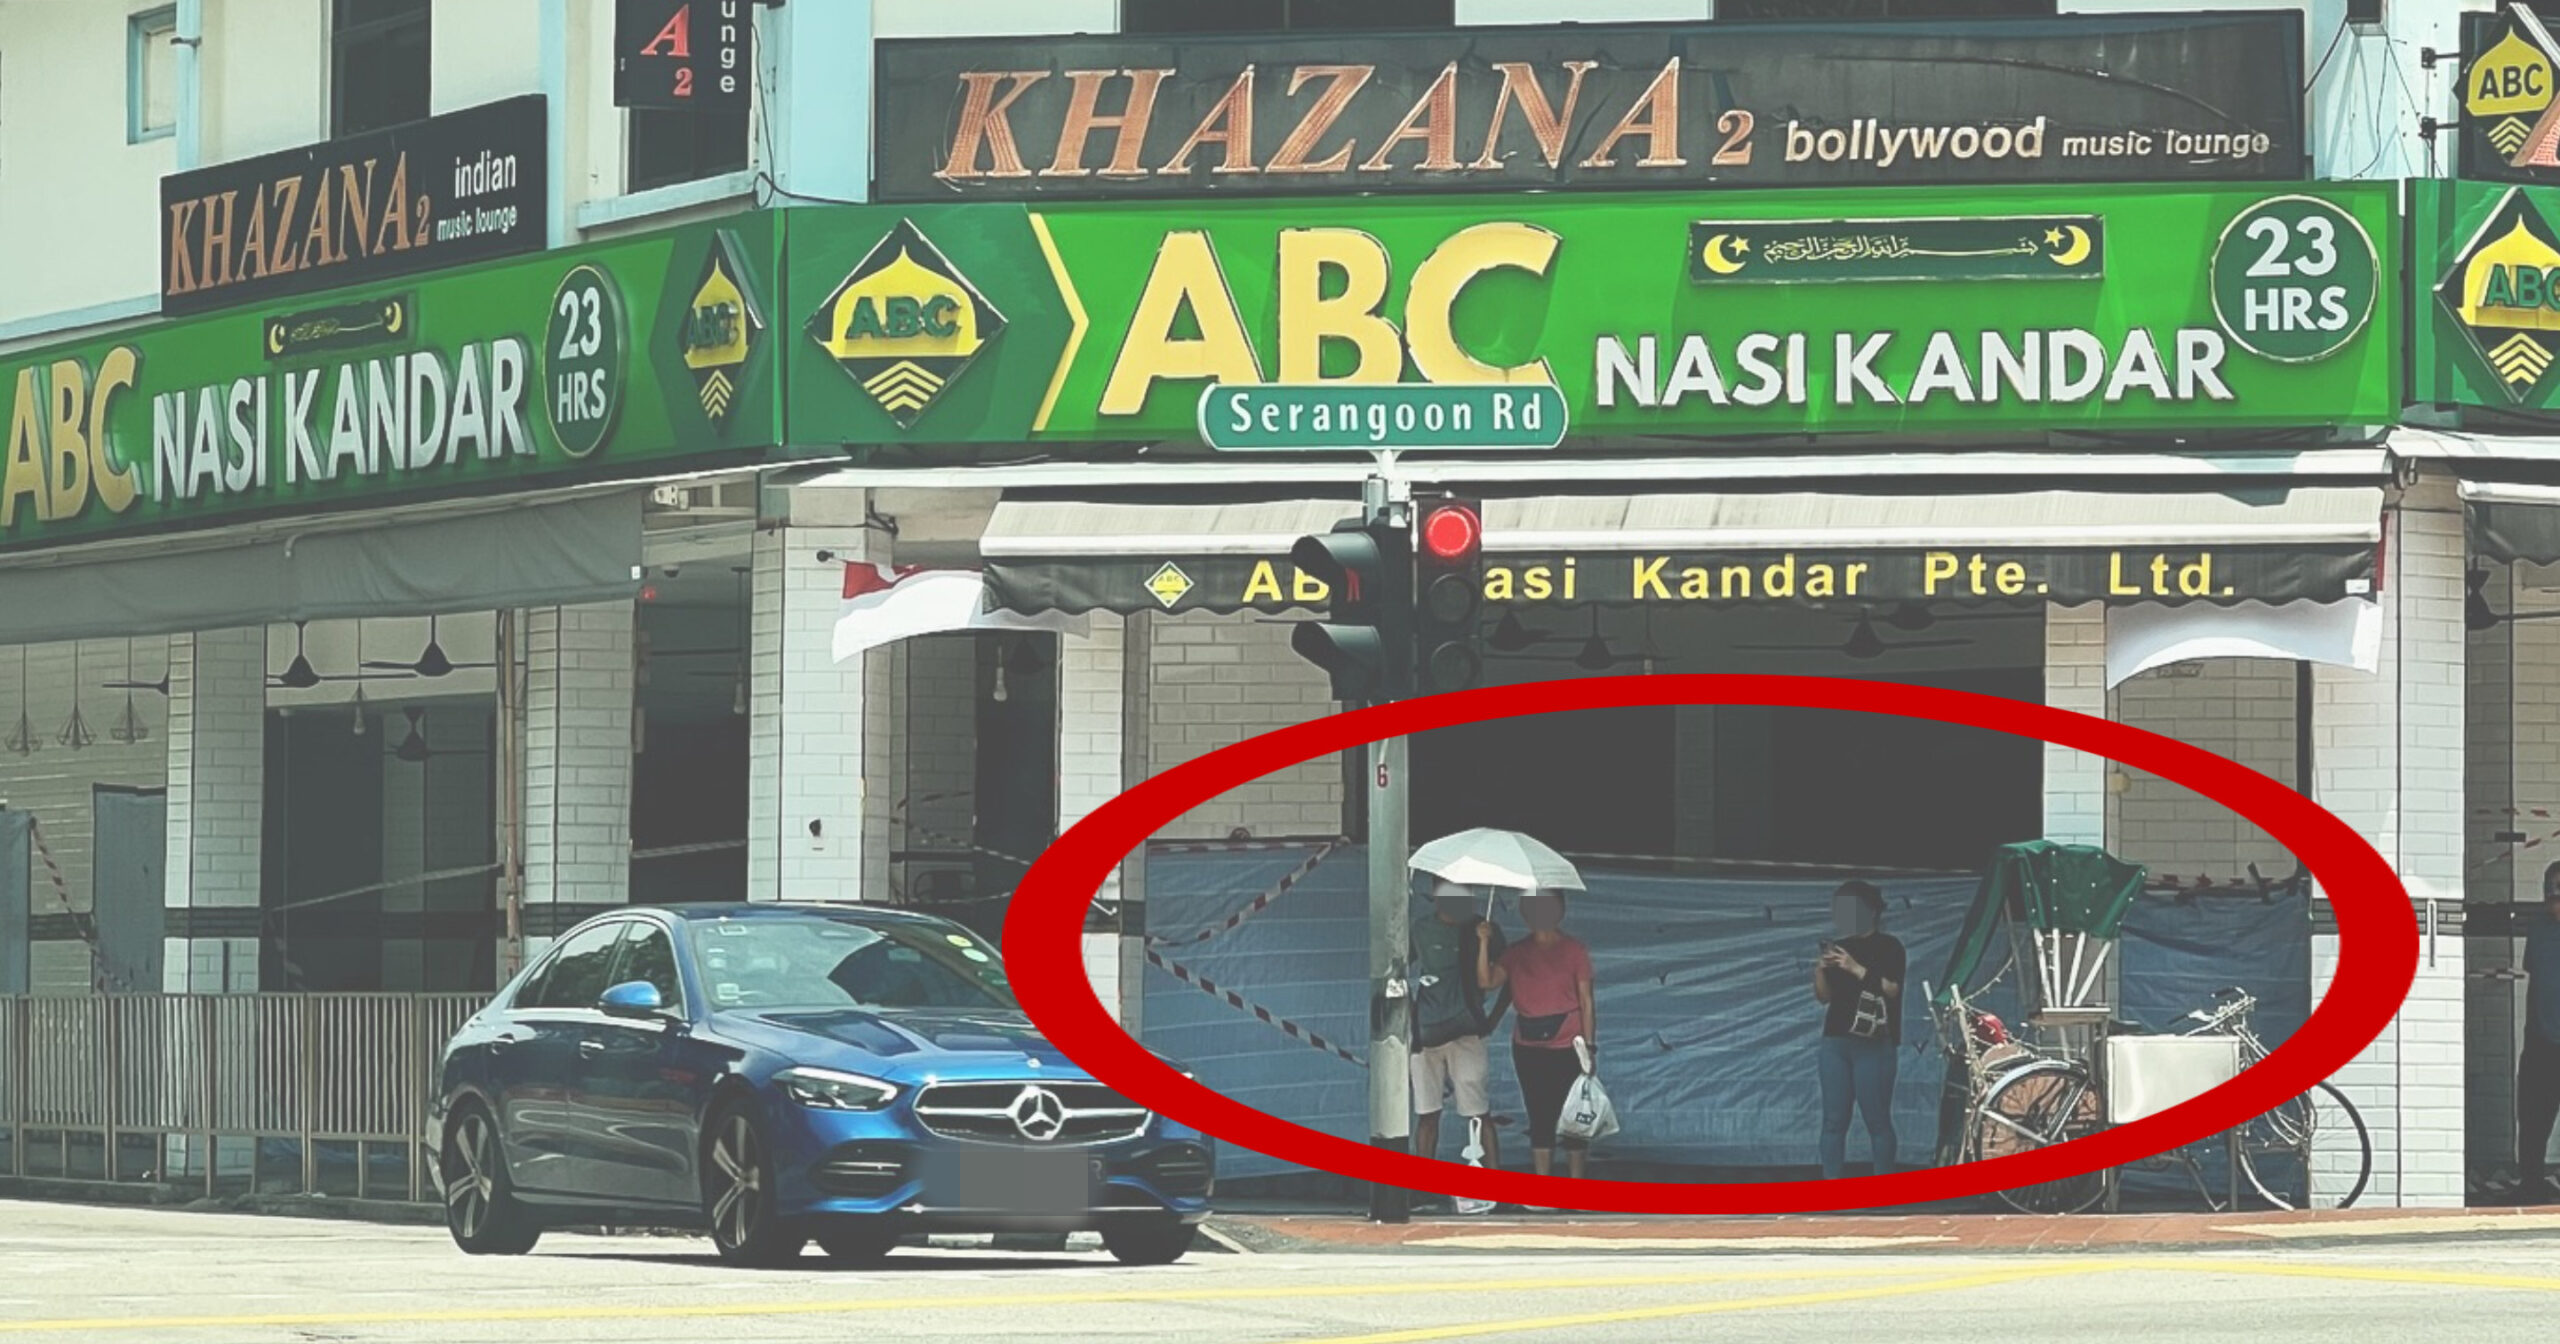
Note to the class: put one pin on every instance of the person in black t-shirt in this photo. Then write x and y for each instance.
(1859, 980)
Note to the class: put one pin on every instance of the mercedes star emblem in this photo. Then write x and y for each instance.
(1038, 1113)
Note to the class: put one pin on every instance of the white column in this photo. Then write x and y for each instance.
(217, 809)
(1091, 763)
(579, 688)
(2388, 759)
(817, 827)
(2075, 678)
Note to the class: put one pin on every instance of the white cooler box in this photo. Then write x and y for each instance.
(2149, 1074)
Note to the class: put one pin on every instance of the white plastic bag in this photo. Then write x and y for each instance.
(1588, 1116)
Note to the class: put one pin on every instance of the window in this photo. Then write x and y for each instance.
(1809, 10)
(1271, 16)
(671, 146)
(649, 954)
(151, 75)
(580, 970)
(378, 64)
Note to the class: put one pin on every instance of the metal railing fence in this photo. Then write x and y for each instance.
(274, 1091)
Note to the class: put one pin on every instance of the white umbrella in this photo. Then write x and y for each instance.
(1489, 858)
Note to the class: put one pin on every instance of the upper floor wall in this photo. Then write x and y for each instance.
(100, 99)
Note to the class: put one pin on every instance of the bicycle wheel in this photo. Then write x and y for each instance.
(2289, 1131)
(2038, 1106)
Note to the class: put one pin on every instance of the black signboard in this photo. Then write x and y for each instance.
(2167, 97)
(696, 55)
(2510, 118)
(463, 187)
(1697, 579)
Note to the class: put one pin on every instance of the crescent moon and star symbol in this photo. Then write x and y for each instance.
(1725, 253)
(2070, 244)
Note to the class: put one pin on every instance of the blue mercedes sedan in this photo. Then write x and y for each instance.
(777, 1074)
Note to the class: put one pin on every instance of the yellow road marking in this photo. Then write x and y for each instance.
(2445, 1278)
(673, 1311)
(1631, 1314)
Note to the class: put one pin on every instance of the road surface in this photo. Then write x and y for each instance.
(129, 1276)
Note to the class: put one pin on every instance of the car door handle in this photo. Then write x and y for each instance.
(505, 1039)
(591, 1048)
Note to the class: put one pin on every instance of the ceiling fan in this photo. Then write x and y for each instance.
(2478, 615)
(1595, 655)
(1912, 617)
(298, 675)
(1862, 644)
(432, 661)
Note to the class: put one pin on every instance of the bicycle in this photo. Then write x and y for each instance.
(2024, 1100)
(2291, 1128)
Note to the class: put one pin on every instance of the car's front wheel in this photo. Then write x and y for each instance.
(1149, 1241)
(480, 1205)
(739, 1195)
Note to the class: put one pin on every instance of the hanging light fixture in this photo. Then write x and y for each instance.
(413, 748)
(129, 726)
(360, 705)
(23, 742)
(75, 732)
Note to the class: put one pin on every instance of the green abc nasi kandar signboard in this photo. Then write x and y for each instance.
(2487, 330)
(1917, 311)
(645, 354)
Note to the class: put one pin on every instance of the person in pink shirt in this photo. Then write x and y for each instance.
(1549, 973)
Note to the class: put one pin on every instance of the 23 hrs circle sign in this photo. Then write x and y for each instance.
(2294, 279)
(582, 360)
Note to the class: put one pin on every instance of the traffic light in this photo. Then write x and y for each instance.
(1448, 584)
(1365, 642)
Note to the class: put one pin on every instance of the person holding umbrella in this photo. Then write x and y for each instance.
(1549, 972)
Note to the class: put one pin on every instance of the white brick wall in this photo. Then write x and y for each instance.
(2240, 708)
(2075, 678)
(814, 727)
(579, 684)
(1216, 681)
(2388, 758)
(1092, 742)
(217, 798)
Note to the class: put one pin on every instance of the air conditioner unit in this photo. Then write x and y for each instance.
(705, 500)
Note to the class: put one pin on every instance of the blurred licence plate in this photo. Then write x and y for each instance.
(1013, 1180)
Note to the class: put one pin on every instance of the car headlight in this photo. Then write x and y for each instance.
(831, 1090)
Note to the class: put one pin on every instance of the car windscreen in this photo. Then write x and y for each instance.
(821, 961)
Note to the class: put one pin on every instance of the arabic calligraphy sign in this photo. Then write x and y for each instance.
(2020, 247)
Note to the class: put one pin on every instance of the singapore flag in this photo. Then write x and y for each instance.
(885, 603)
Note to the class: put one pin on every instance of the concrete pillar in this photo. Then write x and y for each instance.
(217, 810)
(2388, 759)
(821, 735)
(2075, 678)
(579, 688)
(1093, 713)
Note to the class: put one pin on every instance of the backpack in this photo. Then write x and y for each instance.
(1446, 1006)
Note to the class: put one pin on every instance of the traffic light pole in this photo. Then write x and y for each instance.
(1390, 921)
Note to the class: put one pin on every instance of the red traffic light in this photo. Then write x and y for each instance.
(1452, 532)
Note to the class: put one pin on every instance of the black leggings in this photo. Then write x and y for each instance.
(1545, 1077)
(2537, 1100)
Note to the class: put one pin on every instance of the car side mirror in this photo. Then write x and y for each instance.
(636, 999)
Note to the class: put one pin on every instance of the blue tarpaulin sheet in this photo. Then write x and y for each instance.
(1708, 1025)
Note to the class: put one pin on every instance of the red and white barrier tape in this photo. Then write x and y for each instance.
(1235, 846)
(1258, 904)
(1240, 1003)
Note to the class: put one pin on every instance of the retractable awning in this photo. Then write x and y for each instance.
(2266, 542)
(2514, 522)
(567, 550)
